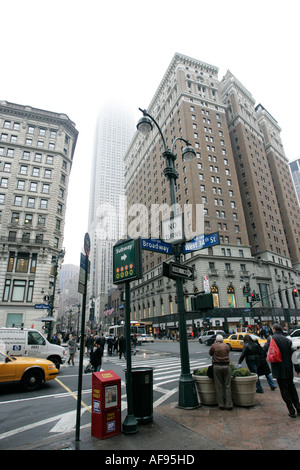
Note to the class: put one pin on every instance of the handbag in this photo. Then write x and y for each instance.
(210, 372)
(274, 353)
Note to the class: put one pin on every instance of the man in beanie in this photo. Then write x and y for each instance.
(284, 371)
(222, 372)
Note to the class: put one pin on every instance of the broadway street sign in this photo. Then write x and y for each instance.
(156, 245)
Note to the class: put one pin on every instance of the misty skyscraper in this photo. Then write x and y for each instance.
(114, 131)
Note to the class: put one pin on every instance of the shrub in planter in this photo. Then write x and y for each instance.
(241, 372)
(243, 386)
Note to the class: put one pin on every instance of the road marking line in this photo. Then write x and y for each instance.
(73, 394)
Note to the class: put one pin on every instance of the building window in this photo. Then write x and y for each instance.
(11, 260)
(33, 263)
(18, 200)
(41, 220)
(6, 290)
(18, 291)
(30, 291)
(28, 219)
(22, 263)
(44, 203)
(7, 167)
(21, 184)
(23, 169)
(31, 202)
(4, 182)
(231, 297)
(15, 217)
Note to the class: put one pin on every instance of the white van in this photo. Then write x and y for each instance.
(31, 343)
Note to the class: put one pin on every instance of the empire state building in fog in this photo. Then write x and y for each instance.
(114, 131)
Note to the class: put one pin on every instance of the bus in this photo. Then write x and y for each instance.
(143, 331)
(116, 330)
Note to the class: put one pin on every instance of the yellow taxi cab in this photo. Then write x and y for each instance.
(30, 372)
(236, 341)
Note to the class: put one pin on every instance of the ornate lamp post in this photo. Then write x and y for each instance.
(59, 258)
(187, 390)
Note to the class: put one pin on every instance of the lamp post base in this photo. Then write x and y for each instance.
(188, 396)
(130, 425)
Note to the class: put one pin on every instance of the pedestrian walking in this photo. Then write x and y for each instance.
(116, 344)
(221, 372)
(264, 369)
(110, 343)
(284, 371)
(97, 356)
(122, 347)
(89, 345)
(251, 354)
(134, 343)
(72, 349)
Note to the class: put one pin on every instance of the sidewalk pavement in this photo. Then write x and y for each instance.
(265, 426)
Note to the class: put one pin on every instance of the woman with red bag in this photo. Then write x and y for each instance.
(284, 372)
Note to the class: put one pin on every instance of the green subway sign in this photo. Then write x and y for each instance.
(127, 261)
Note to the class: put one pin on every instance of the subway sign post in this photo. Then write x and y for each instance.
(127, 266)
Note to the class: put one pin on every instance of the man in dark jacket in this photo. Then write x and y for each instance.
(284, 371)
(122, 347)
(97, 356)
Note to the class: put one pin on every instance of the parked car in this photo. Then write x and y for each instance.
(236, 341)
(207, 334)
(29, 372)
(294, 336)
(147, 338)
(212, 339)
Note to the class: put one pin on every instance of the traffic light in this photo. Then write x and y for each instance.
(204, 301)
(257, 297)
(295, 292)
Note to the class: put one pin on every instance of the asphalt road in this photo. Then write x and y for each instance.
(51, 411)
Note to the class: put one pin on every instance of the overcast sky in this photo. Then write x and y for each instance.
(68, 56)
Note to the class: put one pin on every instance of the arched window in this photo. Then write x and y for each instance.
(162, 306)
(231, 297)
(215, 293)
(171, 304)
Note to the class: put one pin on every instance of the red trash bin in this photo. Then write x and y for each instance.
(106, 404)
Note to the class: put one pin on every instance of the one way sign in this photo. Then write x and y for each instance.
(173, 270)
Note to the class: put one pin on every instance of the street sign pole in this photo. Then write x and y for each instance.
(127, 266)
(79, 393)
(130, 423)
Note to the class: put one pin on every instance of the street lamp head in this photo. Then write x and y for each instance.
(144, 125)
(188, 154)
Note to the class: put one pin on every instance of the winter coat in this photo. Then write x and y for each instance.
(122, 344)
(96, 359)
(251, 352)
(263, 368)
(72, 346)
(284, 369)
